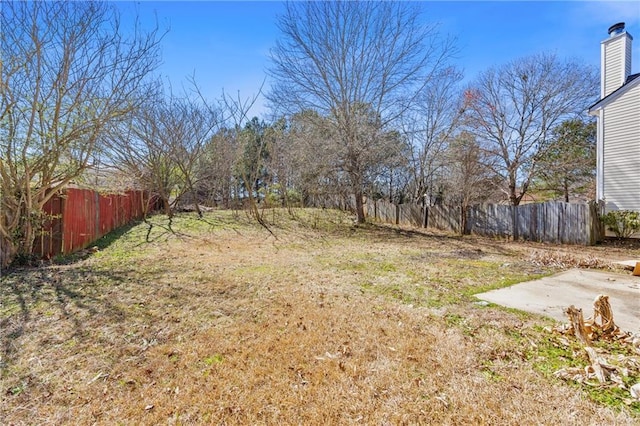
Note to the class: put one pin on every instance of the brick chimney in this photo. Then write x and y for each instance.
(615, 59)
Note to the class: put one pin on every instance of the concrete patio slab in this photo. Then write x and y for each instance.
(550, 296)
(627, 263)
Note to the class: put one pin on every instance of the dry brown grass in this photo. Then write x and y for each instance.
(327, 324)
(566, 260)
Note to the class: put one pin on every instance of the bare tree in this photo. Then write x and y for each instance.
(313, 163)
(469, 179)
(435, 117)
(67, 72)
(278, 165)
(140, 148)
(513, 109)
(350, 61)
(163, 144)
(216, 170)
(190, 125)
(391, 178)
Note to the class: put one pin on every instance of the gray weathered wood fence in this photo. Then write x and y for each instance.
(553, 222)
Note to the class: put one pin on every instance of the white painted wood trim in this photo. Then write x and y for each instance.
(600, 156)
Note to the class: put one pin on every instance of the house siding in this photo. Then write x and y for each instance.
(612, 70)
(621, 185)
(627, 49)
(617, 50)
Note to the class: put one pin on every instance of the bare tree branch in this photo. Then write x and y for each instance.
(352, 61)
(67, 73)
(512, 110)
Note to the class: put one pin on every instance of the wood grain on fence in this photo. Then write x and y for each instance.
(78, 217)
(385, 211)
(446, 218)
(491, 220)
(410, 214)
(552, 222)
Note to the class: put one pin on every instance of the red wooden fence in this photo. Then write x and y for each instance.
(78, 217)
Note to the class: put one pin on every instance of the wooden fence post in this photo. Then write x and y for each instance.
(425, 223)
(553, 222)
(514, 215)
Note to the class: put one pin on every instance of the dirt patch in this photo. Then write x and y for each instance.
(328, 324)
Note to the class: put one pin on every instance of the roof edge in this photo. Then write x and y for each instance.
(632, 81)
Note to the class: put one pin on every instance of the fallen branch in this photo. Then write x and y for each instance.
(597, 363)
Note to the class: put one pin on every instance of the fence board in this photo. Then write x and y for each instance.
(79, 217)
(492, 220)
(410, 214)
(446, 218)
(386, 211)
(553, 222)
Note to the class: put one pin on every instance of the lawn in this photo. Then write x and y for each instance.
(314, 321)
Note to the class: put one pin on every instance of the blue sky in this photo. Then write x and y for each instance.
(226, 44)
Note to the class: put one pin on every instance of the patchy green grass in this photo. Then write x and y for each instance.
(221, 321)
(554, 352)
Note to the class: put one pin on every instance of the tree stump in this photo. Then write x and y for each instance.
(602, 311)
(577, 323)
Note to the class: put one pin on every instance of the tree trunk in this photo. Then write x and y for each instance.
(463, 218)
(166, 206)
(7, 252)
(356, 186)
(197, 207)
(30, 221)
(195, 196)
(513, 195)
(26, 245)
(359, 207)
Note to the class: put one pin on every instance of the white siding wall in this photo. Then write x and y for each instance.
(622, 152)
(616, 66)
(614, 57)
(627, 62)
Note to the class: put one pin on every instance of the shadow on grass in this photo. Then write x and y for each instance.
(461, 243)
(100, 244)
(152, 223)
(53, 304)
(68, 309)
